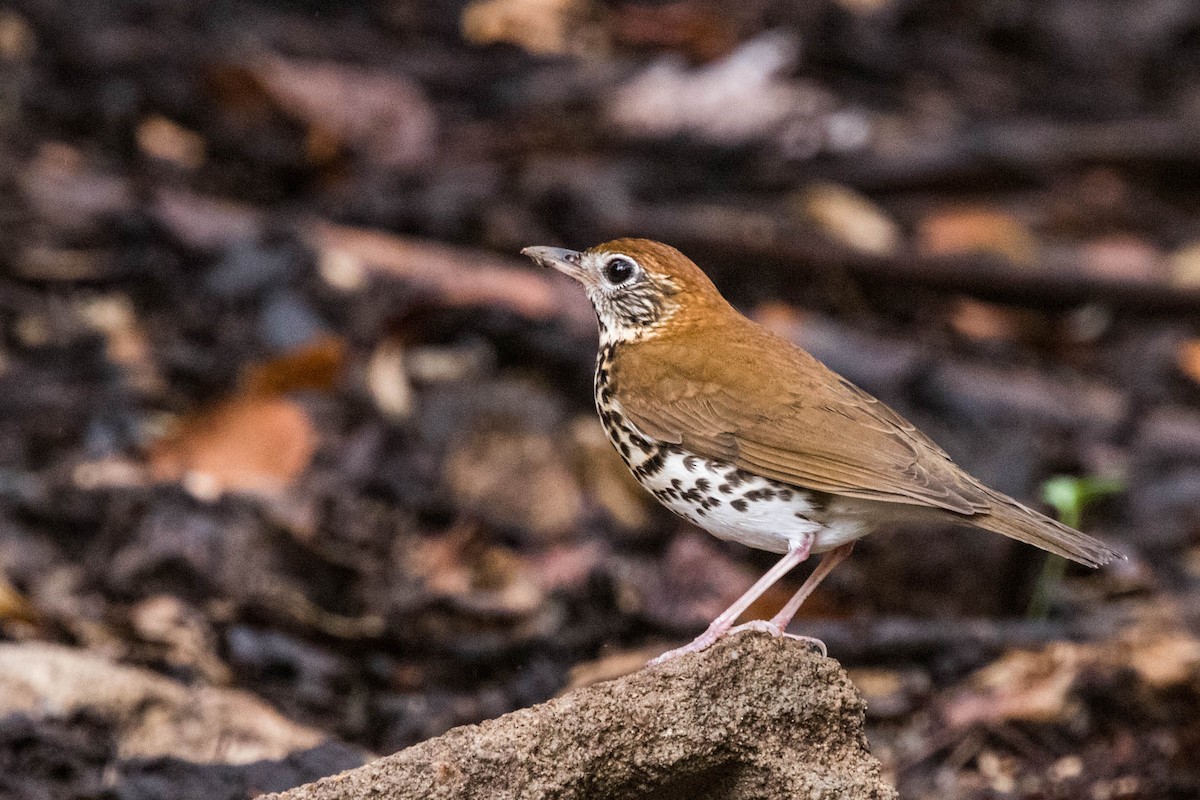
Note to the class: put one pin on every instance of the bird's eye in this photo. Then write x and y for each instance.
(619, 269)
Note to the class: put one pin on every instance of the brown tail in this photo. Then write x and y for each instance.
(1026, 525)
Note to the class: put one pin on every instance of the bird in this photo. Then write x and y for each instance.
(751, 438)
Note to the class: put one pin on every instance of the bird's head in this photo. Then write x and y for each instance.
(637, 286)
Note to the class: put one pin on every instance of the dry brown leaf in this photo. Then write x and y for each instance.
(388, 380)
(1187, 357)
(981, 321)
(1039, 686)
(565, 566)
(126, 342)
(1169, 659)
(185, 634)
(699, 30)
(255, 444)
(744, 97)
(316, 365)
(1027, 686)
(866, 8)
(159, 137)
(258, 440)
(890, 692)
(544, 27)
(780, 318)
(14, 605)
(45, 263)
(1184, 265)
(17, 39)
(851, 218)
(964, 230)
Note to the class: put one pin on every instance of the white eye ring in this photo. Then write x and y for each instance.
(619, 269)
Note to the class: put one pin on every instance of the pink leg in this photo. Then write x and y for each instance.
(778, 624)
(721, 625)
(835, 557)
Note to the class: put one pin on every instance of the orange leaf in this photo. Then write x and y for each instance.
(1188, 359)
(255, 444)
(316, 365)
(965, 230)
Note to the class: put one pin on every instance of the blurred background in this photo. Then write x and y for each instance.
(287, 426)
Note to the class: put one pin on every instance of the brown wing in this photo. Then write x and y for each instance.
(771, 408)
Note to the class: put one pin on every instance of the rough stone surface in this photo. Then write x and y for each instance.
(752, 717)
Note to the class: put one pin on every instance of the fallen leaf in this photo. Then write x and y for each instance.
(45, 263)
(1169, 659)
(851, 218)
(17, 39)
(779, 318)
(317, 366)
(866, 8)
(1184, 266)
(964, 230)
(477, 575)
(890, 693)
(160, 138)
(126, 342)
(566, 566)
(701, 31)
(254, 444)
(1188, 359)
(185, 634)
(388, 381)
(1022, 685)
(14, 605)
(980, 321)
(1039, 686)
(542, 27)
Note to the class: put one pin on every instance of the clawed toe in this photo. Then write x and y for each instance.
(765, 626)
(815, 642)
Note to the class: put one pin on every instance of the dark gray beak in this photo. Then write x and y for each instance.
(561, 259)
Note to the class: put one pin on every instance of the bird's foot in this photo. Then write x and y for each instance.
(764, 626)
(708, 638)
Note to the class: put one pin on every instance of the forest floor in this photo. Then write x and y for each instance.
(284, 417)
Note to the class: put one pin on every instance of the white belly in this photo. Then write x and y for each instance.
(757, 512)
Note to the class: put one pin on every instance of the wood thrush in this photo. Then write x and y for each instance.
(751, 438)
